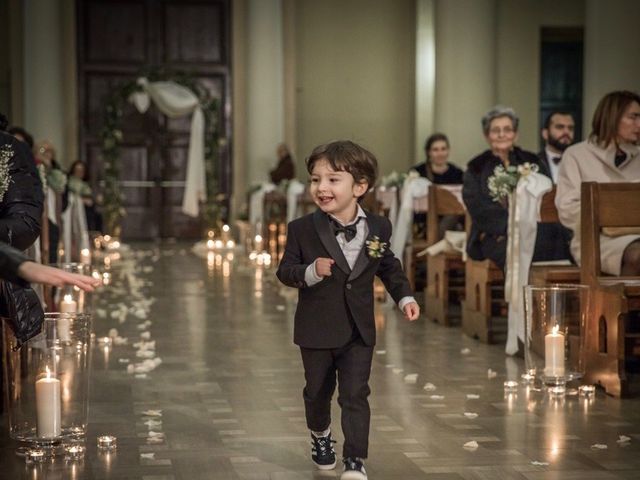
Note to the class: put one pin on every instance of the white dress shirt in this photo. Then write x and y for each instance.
(553, 167)
(350, 250)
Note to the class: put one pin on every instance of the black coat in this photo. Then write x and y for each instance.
(21, 207)
(20, 214)
(489, 219)
(328, 310)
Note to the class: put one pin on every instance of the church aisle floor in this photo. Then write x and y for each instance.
(229, 394)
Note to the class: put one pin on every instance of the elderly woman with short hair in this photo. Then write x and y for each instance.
(488, 236)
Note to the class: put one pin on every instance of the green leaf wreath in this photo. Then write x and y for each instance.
(111, 136)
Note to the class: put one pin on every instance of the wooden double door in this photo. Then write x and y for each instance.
(118, 41)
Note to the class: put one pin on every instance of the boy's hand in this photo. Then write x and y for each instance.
(323, 266)
(411, 311)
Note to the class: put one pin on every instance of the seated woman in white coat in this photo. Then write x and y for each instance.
(611, 154)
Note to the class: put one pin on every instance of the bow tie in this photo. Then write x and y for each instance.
(348, 230)
(556, 160)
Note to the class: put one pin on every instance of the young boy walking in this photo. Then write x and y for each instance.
(331, 256)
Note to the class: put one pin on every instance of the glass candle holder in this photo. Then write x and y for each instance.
(555, 317)
(47, 381)
(71, 299)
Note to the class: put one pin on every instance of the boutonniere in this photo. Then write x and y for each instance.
(376, 247)
(6, 154)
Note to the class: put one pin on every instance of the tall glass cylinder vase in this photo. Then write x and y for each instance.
(555, 317)
(71, 299)
(47, 381)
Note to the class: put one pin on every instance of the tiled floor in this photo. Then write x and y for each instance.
(225, 403)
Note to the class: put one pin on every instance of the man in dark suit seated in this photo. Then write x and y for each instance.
(558, 132)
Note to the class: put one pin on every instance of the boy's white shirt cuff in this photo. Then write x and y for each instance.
(404, 301)
(310, 275)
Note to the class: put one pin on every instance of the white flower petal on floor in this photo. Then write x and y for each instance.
(623, 439)
(472, 445)
(472, 396)
(436, 397)
(465, 351)
(113, 333)
(398, 370)
(429, 387)
(539, 464)
(381, 352)
(151, 423)
(470, 415)
(141, 375)
(145, 335)
(148, 456)
(281, 308)
(152, 413)
(491, 374)
(599, 446)
(411, 378)
(123, 360)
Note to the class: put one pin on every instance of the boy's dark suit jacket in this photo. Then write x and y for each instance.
(328, 310)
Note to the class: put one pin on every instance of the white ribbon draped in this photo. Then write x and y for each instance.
(294, 190)
(256, 204)
(413, 187)
(74, 221)
(524, 214)
(388, 197)
(174, 101)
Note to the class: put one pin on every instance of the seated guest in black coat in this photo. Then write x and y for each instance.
(439, 171)
(489, 219)
(21, 196)
(285, 170)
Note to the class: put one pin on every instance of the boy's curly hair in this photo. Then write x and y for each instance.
(347, 156)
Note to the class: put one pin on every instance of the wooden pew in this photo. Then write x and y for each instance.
(440, 283)
(609, 337)
(549, 274)
(483, 299)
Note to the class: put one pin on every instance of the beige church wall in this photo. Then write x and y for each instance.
(465, 72)
(355, 77)
(518, 55)
(612, 51)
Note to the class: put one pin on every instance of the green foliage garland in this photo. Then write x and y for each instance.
(111, 136)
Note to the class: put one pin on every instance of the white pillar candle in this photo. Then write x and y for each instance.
(85, 256)
(554, 353)
(48, 408)
(67, 305)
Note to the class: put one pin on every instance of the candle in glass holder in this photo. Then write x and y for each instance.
(107, 442)
(48, 408)
(35, 455)
(225, 232)
(85, 256)
(554, 353)
(67, 305)
(210, 244)
(75, 452)
(258, 243)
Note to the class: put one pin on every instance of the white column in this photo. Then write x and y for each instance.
(425, 74)
(611, 60)
(44, 113)
(264, 86)
(465, 72)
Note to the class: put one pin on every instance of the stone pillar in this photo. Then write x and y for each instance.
(264, 86)
(425, 74)
(611, 60)
(44, 113)
(465, 72)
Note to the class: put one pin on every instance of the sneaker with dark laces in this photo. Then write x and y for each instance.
(322, 452)
(353, 469)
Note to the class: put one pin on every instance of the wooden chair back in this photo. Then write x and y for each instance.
(612, 205)
(548, 210)
(441, 202)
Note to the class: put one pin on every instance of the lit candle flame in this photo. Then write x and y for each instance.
(68, 298)
(555, 330)
(225, 228)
